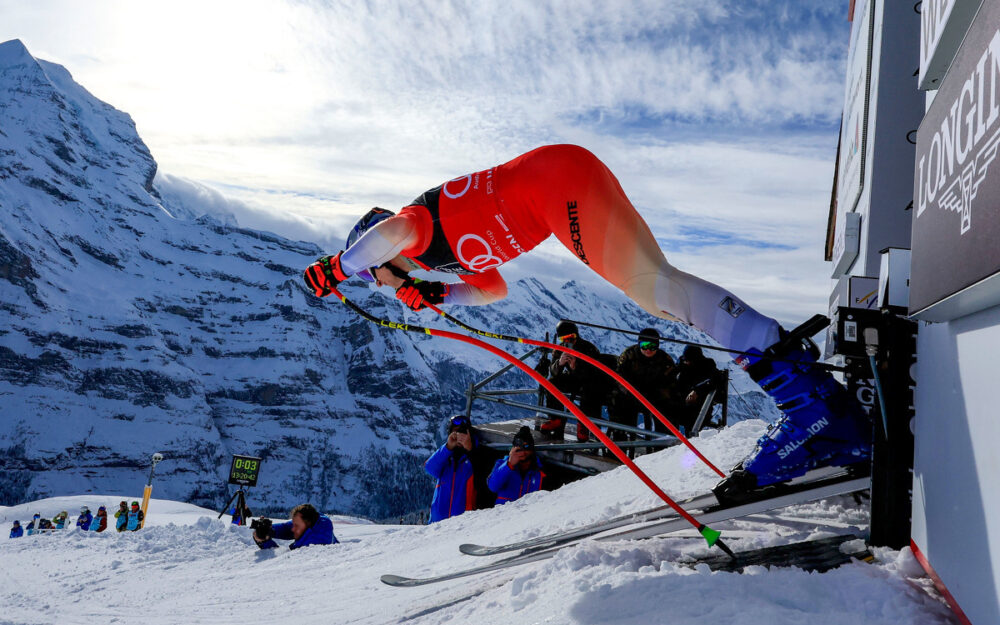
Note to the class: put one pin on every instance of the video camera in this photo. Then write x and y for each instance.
(262, 528)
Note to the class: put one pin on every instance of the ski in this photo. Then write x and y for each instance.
(554, 540)
(818, 556)
(810, 492)
(409, 582)
(838, 484)
(652, 514)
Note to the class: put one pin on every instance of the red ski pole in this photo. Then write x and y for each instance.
(710, 535)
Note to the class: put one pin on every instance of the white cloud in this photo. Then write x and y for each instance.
(310, 113)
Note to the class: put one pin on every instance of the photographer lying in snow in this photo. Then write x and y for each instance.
(307, 527)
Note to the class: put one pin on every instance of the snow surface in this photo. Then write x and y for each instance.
(188, 567)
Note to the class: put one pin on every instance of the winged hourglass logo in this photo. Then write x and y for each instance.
(960, 193)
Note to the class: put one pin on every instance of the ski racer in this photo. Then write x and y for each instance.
(460, 471)
(471, 225)
(307, 527)
(518, 473)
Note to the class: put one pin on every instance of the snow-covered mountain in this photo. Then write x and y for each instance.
(132, 325)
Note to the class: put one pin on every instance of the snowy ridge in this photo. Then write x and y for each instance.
(133, 326)
(207, 571)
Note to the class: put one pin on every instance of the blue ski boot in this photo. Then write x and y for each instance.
(822, 424)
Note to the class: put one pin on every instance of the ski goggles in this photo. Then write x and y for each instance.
(566, 338)
(368, 275)
(460, 423)
(520, 443)
(647, 345)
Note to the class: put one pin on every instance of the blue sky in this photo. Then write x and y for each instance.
(719, 118)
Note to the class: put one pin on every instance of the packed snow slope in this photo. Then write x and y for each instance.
(134, 324)
(189, 570)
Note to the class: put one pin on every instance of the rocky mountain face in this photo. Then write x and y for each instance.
(130, 326)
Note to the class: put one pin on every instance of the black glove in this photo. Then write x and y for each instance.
(419, 293)
(324, 275)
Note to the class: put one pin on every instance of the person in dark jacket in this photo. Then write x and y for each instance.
(83, 521)
(460, 468)
(646, 367)
(518, 473)
(121, 516)
(575, 378)
(16, 531)
(307, 527)
(690, 382)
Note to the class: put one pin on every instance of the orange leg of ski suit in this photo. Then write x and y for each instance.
(567, 191)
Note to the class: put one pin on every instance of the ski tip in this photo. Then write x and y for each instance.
(397, 580)
(471, 549)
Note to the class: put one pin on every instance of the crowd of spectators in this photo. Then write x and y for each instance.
(306, 527)
(677, 389)
(126, 520)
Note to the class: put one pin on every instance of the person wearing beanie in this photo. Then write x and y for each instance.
(646, 367)
(460, 468)
(519, 472)
(16, 531)
(576, 378)
(690, 382)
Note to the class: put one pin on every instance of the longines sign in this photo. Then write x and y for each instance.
(956, 217)
(942, 26)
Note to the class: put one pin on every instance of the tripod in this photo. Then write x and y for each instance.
(241, 507)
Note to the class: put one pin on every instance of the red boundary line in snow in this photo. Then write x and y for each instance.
(922, 559)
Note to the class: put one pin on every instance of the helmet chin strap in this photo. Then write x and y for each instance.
(396, 271)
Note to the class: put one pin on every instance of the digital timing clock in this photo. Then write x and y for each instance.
(244, 470)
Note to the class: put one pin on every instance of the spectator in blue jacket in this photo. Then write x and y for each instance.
(520, 472)
(307, 527)
(121, 516)
(460, 468)
(83, 521)
(16, 531)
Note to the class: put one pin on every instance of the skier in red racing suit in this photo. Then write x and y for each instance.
(471, 225)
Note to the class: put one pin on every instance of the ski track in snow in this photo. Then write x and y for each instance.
(189, 567)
